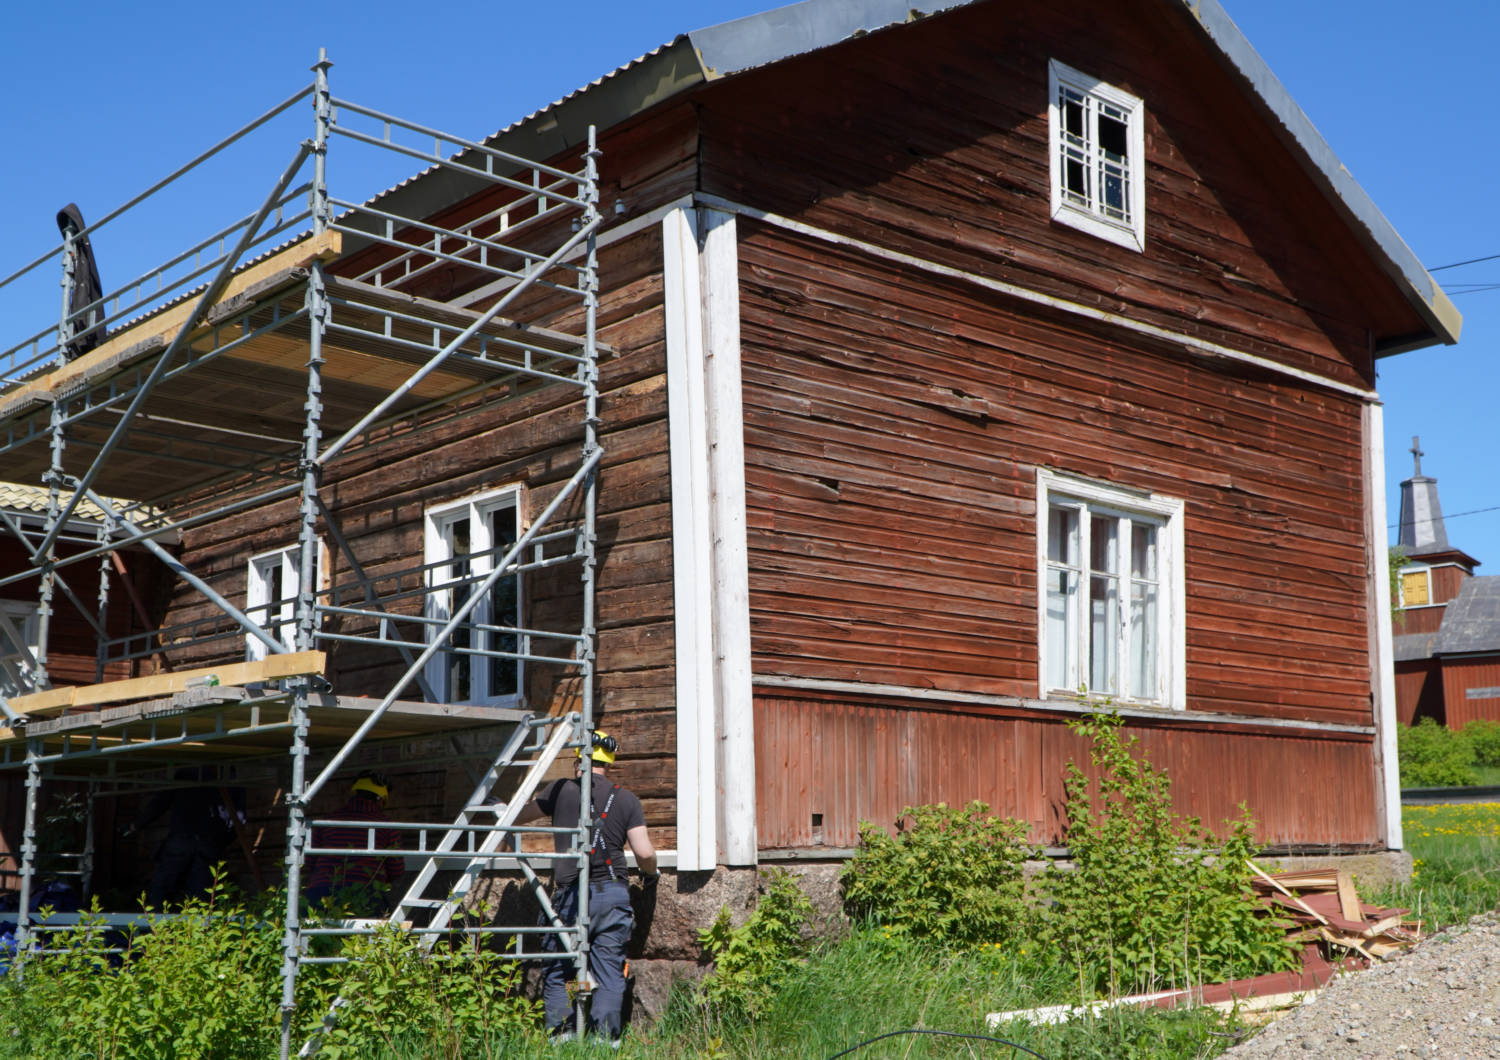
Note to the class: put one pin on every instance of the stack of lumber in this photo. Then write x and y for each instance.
(1323, 907)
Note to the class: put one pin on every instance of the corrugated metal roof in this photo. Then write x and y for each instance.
(1472, 621)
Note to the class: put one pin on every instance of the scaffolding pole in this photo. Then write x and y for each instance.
(200, 469)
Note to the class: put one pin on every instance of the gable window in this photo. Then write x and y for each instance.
(1098, 156)
(19, 647)
(1416, 587)
(1111, 592)
(464, 541)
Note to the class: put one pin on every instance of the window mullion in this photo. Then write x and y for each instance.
(1083, 634)
(1123, 589)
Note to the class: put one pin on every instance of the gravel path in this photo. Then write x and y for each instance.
(1441, 999)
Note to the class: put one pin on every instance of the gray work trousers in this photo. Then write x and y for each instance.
(611, 921)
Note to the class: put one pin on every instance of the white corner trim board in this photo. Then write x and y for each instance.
(735, 723)
(710, 566)
(692, 546)
(1382, 653)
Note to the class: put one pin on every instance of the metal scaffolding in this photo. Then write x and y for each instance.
(339, 314)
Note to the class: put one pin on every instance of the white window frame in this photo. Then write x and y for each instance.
(438, 606)
(1414, 568)
(1091, 216)
(25, 616)
(1057, 488)
(288, 562)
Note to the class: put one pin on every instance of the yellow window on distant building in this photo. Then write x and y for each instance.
(1414, 589)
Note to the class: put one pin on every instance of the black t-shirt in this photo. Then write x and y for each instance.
(616, 812)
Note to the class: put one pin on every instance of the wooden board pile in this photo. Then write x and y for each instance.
(1324, 908)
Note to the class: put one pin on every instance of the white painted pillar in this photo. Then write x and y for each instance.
(720, 277)
(692, 547)
(1382, 648)
(715, 723)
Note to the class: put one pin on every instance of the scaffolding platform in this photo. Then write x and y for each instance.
(235, 378)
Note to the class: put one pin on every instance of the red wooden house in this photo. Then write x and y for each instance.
(962, 370)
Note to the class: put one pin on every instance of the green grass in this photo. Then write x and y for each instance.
(1456, 854)
(867, 985)
(1487, 776)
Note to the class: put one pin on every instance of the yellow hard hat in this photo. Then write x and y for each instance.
(373, 783)
(604, 748)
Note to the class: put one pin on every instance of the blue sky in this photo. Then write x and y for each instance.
(102, 99)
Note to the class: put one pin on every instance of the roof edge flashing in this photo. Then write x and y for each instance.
(1396, 258)
(797, 29)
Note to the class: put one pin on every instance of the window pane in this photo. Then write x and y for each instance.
(1112, 132)
(1061, 667)
(1143, 551)
(1103, 544)
(1104, 611)
(1071, 103)
(1062, 536)
(504, 599)
(459, 667)
(1143, 626)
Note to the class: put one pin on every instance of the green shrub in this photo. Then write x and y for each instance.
(1152, 900)
(457, 1001)
(1433, 756)
(203, 984)
(752, 960)
(1484, 736)
(953, 876)
(206, 985)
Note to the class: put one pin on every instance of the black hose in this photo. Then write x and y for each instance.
(941, 1034)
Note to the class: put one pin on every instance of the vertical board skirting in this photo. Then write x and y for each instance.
(1382, 649)
(719, 279)
(692, 552)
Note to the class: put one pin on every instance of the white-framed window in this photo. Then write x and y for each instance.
(1098, 156)
(271, 598)
(1415, 586)
(463, 542)
(1111, 592)
(20, 644)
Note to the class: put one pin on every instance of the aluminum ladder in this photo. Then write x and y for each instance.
(458, 843)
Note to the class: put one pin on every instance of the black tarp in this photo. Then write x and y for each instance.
(88, 327)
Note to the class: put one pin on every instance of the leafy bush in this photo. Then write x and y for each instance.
(462, 1001)
(752, 960)
(949, 875)
(206, 985)
(203, 984)
(1152, 899)
(1434, 756)
(1484, 737)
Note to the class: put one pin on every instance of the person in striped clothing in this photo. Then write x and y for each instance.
(357, 884)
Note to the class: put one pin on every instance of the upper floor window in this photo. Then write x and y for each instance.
(271, 585)
(1098, 157)
(1111, 592)
(464, 541)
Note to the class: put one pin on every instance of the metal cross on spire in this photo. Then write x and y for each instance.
(1417, 454)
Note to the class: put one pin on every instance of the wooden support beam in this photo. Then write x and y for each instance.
(271, 668)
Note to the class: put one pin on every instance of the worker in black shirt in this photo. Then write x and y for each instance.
(618, 822)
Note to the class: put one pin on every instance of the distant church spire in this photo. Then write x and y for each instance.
(1422, 528)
